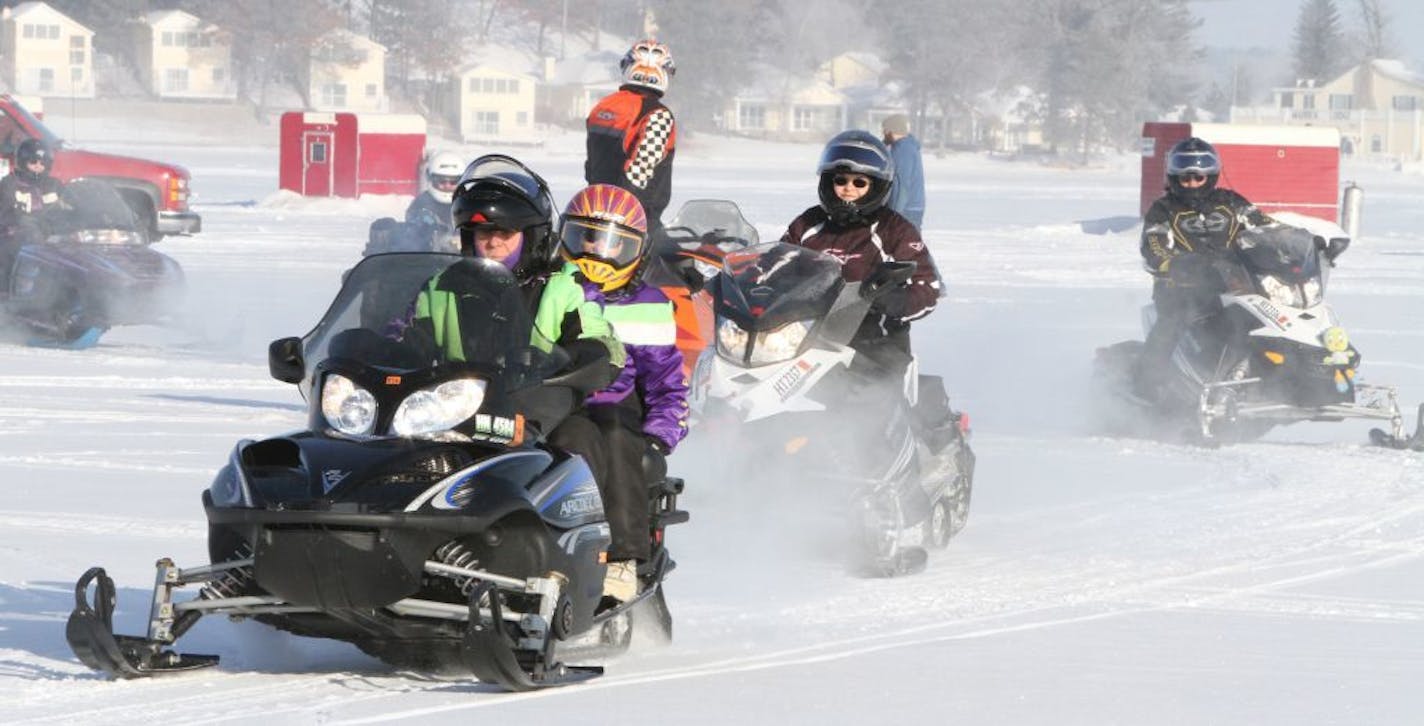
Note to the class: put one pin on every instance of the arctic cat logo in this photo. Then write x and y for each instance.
(331, 477)
(580, 504)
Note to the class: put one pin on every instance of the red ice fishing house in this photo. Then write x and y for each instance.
(350, 154)
(1279, 168)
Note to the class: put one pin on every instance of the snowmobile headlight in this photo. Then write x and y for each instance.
(783, 343)
(1312, 290)
(348, 407)
(1280, 292)
(106, 237)
(439, 408)
(731, 340)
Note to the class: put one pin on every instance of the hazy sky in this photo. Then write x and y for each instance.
(1270, 23)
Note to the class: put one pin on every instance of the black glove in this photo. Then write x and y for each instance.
(892, 303)
(657, 444)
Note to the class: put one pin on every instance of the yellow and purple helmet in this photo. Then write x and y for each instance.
(605, 233)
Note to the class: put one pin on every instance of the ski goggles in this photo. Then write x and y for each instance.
(608, 241)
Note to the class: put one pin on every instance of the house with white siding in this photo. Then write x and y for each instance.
(179, 56)
(44, 52)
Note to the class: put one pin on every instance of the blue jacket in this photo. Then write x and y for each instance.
(907, 194)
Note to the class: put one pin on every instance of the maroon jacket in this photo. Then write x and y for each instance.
(860, 248)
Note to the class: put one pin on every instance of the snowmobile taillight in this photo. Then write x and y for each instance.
(1275, 357)
(796, 444)
(963, 422)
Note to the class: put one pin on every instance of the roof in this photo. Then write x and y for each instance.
(1396, 70)
(171, 17)
(41, 10)
(783, 87)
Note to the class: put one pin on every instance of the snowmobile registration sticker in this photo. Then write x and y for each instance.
(1272, 313)
(792, 379)
(499, 429)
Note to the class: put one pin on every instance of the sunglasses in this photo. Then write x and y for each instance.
(1190, 177)
(858, 182)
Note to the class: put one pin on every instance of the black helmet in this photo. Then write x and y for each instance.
(861, 153)
(499, 191)
(1192, 156)
(32, 150)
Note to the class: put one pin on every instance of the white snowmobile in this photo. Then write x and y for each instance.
(794, 402)
(1273, 352)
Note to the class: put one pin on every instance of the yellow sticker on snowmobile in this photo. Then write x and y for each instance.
(1335, 339)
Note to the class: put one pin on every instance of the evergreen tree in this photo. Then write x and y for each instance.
(1319, 42)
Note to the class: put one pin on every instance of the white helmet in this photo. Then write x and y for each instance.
(443, 172)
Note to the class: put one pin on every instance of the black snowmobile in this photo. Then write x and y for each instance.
(796, 403)
(1265, 349)
(420, 516)
(85, 265)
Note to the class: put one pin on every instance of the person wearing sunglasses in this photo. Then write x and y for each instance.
(27, 189)
(854, 224)
(1183, 229)
(604, 233)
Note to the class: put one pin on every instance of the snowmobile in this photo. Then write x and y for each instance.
(85, 265)
(420, 516)
(798, 404)
(1272, 352)
(424, 233)
(687, 255)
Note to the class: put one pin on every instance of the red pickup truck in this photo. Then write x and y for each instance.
(157, 192)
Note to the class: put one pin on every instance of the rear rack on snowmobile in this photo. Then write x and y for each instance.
(1374, 402)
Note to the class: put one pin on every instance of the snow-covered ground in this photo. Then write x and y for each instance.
(1100, 580)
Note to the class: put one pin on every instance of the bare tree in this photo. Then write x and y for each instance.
(271, 39)
(1375, 41)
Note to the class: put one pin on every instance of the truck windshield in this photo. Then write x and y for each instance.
(16, 125)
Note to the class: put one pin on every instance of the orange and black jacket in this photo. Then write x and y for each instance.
(631, 140)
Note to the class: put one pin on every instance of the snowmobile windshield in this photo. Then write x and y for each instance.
(716, 222)
(411, 311)
(770, 285)
(91, 212)
(1286, 252)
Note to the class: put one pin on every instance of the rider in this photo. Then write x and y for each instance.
(432, 206)
(504, 212)
(604, 232)
(27, 189)
(632, 135)
(853, 224)
(1194, 221)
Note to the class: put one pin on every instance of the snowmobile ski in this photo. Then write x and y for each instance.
(90, 632)
(1380, 437)
(494, 656)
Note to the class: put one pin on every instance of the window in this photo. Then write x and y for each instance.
(487, 85)
(167, 40)
(1287, 100)
(219, 76)
(1342, 101)
(54, 32)
(175, 80)
(334, 95)
(76, 50)
(372, 90)
(28, 31)
(1376, 144)
(1307, 101)
(316, 152)
(46, 78)
(1406, 103)
(487, 123)
(521, 118)
(751, 118)
(76, 77)
(514, 85)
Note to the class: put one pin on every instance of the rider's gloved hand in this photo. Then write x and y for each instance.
(657, 444)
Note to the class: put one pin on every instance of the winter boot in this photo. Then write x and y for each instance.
(621, 580)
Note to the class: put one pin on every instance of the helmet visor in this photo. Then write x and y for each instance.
(607, 241)
(503, 171)
(856, 158)
(1204, 163)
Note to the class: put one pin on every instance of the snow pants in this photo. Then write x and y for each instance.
(610, 438)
